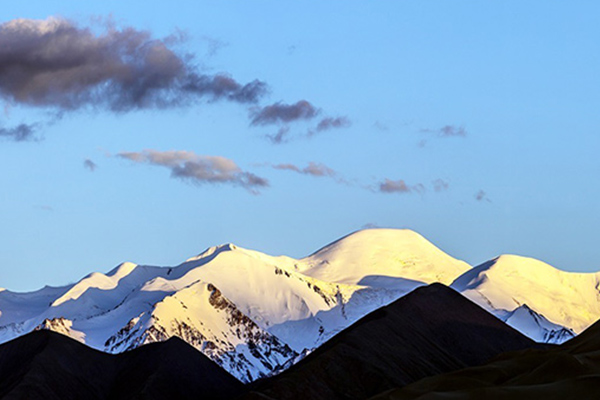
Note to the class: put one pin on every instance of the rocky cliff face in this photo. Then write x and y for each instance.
(222, 332)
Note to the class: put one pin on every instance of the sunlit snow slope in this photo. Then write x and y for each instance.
(531, 295)
(383, 258)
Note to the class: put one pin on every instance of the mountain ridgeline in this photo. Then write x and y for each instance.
(256, 315)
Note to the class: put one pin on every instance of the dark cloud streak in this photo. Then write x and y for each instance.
(283, 113)
(331, 123)
(482, 196)
(20, 133)
(447, 131)
(90, 165)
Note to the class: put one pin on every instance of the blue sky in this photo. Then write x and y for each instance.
(473, 123)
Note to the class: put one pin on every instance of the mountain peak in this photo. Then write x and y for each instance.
(566, 299)
(213, 251)
(373, 254)
(365, 237)
(122, 270)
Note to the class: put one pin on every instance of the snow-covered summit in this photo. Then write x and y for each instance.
(368, 255)
(507, 282)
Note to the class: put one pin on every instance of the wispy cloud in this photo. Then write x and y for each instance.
(57, 64)
(281, 136)
(20, 133)
(447, 131)
(214, 45)
(283, 113)
(482, 196)
(452, 130)
(199, 169)
(440, 185)
(381, 126)
(331, 123)
(312, 169)
(317, 170)
(90, 165)
(399, 186)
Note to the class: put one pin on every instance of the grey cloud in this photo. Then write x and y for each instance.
(89, 164)
(399, 186)
(283, 113)
(224, 87)
(447, 131)
(313, 169)
(451, 130)
(214, 45)
(57, 64)
(331, 123)
(482, 196)
(281, 136)
(20, 133)
(199, 169)
(439, 185)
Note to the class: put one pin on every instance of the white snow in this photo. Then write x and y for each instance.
(536, 326)
(382, 258)
(567, 299)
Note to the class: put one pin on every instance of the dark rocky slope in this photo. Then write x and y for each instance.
(427, 332)
(48, 365)
(568, 371)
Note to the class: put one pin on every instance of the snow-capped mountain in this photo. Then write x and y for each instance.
(543, 302)
(204, 318)
(250, 312)
(256, 314)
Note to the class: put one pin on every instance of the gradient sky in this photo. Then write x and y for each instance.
(474, 123)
